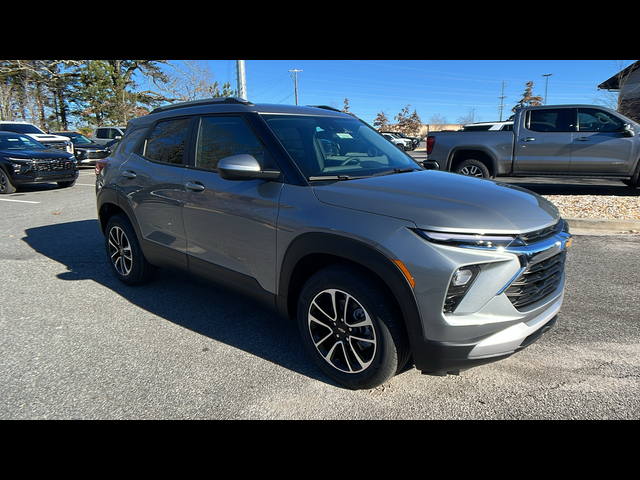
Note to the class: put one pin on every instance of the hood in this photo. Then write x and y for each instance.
(47, 137)
(442, 201)
(36, 154)
(90, 146)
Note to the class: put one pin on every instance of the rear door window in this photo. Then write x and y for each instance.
(223, 136)
(547, 120)
(167, 141)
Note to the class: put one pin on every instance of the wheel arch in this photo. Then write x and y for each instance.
(311, 252)
(477, 153)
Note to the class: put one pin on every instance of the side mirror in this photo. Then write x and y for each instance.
(244, 167)
(627, 130)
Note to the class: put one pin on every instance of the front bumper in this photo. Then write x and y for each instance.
(515, 298)
(25, 172)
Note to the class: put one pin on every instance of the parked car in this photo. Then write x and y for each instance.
(108, 135)
(377, 259)
(86, 151)
(415, 141)
(26, 161)
(576, 140)
(48, 140)
(402, 143)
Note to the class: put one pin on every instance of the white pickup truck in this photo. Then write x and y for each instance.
(577, 140)
(56, 142)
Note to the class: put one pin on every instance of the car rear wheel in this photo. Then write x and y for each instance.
(5, 183)
(352, 328)
(473, 168)
(125, 255)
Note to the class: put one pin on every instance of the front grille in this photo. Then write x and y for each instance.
(52, 165)
(542, 234)
(56, 146)
(537, 281)
(97, 154)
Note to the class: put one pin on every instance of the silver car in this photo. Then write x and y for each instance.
(316, 216)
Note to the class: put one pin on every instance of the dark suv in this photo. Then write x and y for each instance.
(315, 215)
(25, 161)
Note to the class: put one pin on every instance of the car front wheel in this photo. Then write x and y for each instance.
(5, 183)
(351, 327)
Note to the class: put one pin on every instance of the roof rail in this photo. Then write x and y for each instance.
(325, 107)
(206, 101)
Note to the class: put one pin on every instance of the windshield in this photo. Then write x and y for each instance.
(20, 128)
(19, 142)
(76, 138)
(337, 148)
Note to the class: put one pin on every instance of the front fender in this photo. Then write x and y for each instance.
(310, 252)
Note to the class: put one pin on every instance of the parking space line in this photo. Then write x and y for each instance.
(19, 201)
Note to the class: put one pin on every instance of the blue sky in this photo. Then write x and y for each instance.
(450, 88)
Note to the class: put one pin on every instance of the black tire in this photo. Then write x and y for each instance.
(125, 255)
(473, 168)
(5, 183)
(352, 328)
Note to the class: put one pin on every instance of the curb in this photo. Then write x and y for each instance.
(599, 225)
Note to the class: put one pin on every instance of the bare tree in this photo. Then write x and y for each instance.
(471, 117)
(437, 122)
(623, 90)
(194, 80)
(528, 98)
(408, 124)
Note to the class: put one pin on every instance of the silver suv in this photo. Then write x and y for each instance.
(315, 215)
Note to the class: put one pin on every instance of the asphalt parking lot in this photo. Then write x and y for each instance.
(76, 344)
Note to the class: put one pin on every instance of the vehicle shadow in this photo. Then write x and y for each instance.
(573, 186)
(179, 298)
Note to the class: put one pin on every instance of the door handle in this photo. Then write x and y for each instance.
(528, 139)
(129, 174)
(196, 187)
(582, 139)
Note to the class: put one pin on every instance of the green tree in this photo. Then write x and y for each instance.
(36, 91)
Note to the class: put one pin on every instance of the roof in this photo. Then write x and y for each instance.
(613, 83)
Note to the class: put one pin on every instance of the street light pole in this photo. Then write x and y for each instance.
(242, 79)
(545, 86)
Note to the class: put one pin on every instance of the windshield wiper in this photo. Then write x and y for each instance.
(395, 170)
(319, 178)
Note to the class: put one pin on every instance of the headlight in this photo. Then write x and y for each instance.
(470, 240)
(20, 166)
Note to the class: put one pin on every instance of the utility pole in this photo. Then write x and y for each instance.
(242, 79)
(502, 97)
(295, 81)
(545, 86)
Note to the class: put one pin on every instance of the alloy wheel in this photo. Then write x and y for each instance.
(342, 331)
(472, 171)
(120, 251)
